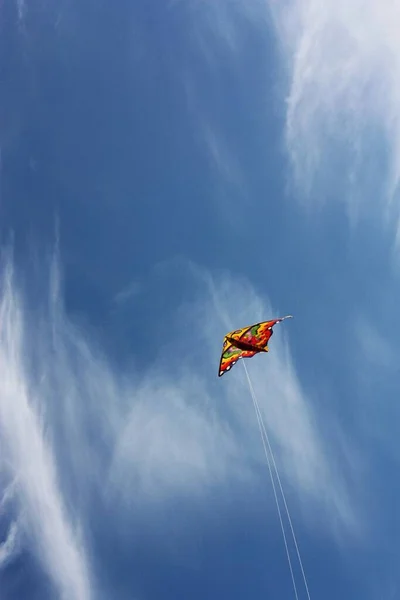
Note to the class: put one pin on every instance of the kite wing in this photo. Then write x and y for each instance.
(230, 355)
(246, 342)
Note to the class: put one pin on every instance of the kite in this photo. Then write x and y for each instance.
(246, 342)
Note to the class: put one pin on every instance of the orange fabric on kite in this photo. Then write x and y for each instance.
(246, 342)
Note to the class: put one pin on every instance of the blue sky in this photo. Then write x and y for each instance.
(170, 170)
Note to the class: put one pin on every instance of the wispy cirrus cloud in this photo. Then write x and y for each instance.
(343, 116)
(126, 294)
(8, 548)
(27, 460)
(310, 453)
(375, 351)
(78, 433)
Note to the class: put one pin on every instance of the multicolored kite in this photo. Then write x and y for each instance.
(246, 342)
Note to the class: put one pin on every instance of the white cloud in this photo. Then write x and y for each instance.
(80, 433)
(21, 9)
(343, 108)
(219, 19)
(27, 458)
(308, 450)
(8, 548)
(173, 443)
(126, 294)
(222, 159)
(373, 345)
(375, 351)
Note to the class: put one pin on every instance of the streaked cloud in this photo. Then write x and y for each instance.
(343, 119)
(126, 294)
(309, 451)
(375, 358)
(8, 548)
(27, 459)
(80, 433)
(373, 345)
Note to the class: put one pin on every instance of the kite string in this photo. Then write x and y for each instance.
(286, 508)
(260, 425)
(264, 431)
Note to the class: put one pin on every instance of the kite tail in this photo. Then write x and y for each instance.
(266, 443)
